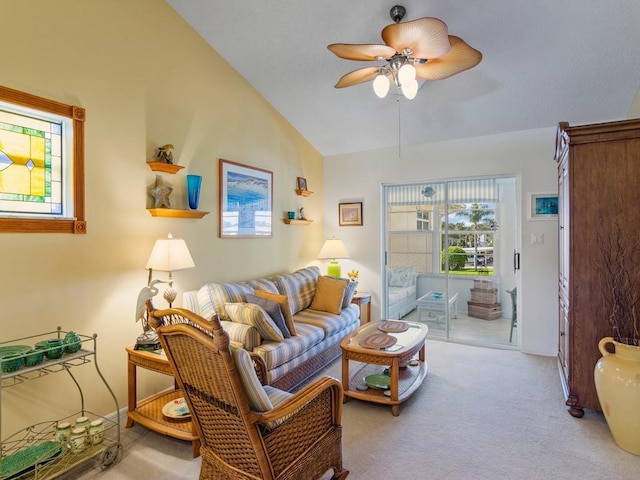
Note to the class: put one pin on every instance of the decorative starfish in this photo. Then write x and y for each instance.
(160, 192)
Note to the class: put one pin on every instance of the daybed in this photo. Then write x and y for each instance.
(294, 321)
(401, 283)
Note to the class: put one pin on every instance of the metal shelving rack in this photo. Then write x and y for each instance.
(52, 462)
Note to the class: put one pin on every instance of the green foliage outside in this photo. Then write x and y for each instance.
(457, 258)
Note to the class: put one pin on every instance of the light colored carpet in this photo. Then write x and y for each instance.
(469, 330)
(480, 414)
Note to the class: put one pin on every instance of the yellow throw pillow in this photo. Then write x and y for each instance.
(283, 301)
(329, 294)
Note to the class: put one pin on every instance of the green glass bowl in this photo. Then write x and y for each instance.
(11, 363)
(52, 348)
(34, 357)
(72, 342)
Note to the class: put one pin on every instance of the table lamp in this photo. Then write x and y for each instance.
(333, 249)
(169, 255)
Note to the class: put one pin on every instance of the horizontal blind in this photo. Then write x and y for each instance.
(465, 191)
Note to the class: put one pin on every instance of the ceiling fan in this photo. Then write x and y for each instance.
(420, 48)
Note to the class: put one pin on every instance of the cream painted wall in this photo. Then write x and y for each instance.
(145, 79)
(634, 111)
(527, 155)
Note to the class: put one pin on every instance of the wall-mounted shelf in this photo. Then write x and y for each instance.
(296, 222)
(164, 167)
(170, 212)
(304, 193)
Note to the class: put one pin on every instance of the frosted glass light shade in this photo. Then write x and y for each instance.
(169, 255)
(407, 73)
(381, 86)
(410, 89)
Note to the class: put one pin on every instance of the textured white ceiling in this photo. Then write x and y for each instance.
(544, 61)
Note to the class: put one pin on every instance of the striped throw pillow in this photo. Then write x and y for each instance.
(254, 315)
(299, 287)
(256, 396)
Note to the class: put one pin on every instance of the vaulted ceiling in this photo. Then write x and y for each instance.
(543, 61)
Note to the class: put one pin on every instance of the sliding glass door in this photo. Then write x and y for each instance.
(448, 250)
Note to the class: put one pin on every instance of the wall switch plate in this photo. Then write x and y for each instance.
(537, 239)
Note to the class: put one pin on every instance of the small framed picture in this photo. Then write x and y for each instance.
(302, 183)
(350, 214)
(543, 206)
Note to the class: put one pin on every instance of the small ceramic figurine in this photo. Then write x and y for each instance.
(165, 153)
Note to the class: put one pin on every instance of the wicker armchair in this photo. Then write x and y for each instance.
(300, 438)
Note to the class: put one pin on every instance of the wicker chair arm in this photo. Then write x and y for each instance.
(304, 422)
(258, 363)
(304, 397)
(260, 366)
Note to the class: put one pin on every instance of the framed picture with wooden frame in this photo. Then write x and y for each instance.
(246, 200)
(350, 214)
(302, 184)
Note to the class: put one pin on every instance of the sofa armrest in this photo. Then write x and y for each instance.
(245, 335)
(190, 301)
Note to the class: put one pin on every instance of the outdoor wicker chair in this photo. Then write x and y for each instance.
(300, 437)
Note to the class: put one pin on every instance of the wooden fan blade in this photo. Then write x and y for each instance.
(361, 52)
(425, 37)
(357, 76)
(461, 57)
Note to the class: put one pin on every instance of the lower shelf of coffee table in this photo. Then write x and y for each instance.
(409, 379)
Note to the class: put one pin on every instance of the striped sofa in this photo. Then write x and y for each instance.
(289, 361)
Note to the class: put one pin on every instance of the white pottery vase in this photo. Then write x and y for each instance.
(617, 379)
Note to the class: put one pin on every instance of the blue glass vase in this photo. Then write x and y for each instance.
(193, 190)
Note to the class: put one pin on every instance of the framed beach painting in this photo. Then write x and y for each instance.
(543, 206)
(246, 200)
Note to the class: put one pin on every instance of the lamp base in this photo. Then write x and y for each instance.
(334, 270)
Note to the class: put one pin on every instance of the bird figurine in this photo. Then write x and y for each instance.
(165, 153)
(147, 293)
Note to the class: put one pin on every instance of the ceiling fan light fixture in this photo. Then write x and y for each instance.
(410, 89)
(407, 73)
(381, 85)
(419, 49)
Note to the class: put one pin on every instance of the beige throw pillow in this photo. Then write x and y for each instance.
(329, 294)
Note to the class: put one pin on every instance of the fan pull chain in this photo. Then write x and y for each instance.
(399, 128)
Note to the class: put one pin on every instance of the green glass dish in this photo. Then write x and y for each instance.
(53, 348)
(12, 357)
(34, 357)
(26, 459)
(72, 342)
(378, 380)
(11, 363)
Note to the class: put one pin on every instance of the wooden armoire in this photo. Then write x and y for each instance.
(598, 188)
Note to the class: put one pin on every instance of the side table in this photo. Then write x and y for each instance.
(148, 412)
(363, 300)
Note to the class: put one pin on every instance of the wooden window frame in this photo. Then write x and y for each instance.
(77, 224)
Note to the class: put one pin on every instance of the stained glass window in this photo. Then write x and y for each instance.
(41, 164)
(30, 165)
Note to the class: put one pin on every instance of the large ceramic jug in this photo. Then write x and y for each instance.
(617, 378)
